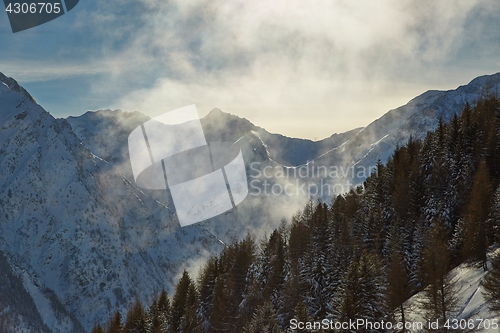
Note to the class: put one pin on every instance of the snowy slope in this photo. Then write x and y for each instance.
(471, 303)
(354, 154)
(81, 237)
(106, 132)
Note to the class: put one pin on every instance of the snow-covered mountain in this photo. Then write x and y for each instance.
(351, 156)
(79, 239)
(323, 168)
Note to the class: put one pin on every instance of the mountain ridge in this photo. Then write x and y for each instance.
(79, 235)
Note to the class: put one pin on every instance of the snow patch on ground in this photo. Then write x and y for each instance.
(471, 302)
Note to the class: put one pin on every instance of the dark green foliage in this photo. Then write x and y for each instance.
(362, 291)
(206, 286)
(184, 304)
(159, 313)
(263, 321)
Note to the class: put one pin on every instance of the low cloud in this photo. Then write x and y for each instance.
(46, 70)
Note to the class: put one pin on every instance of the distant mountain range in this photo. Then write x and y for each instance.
(78, 238)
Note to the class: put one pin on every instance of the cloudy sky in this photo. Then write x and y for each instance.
(301, 68)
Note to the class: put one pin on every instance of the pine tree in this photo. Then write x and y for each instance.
(206, 287)
(115, 324)
(237, 279)
(220, 317)
(267, 277)
(291, 295)
(162, 312)
(319, 274)
(137, 319)
(159, 312)
(263, 321)
(253, 293)
(274, 253)
(301, 313)
(362, 293)
(299, 239)
(189, 321)
(183, 305)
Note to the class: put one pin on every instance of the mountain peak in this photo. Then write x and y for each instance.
(216, 111)
(219, 114)
(13, 85)
(216, 116)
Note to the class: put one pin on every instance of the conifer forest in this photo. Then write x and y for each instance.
(433, 206)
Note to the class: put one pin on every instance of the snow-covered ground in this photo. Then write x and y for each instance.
(471, 304)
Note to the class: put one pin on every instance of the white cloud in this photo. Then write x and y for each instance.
(296, 60)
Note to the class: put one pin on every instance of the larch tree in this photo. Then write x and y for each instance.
(115, 325)
(398, 280)
(137, 319)
(440, 295)
(491, 285)
(477, 222)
